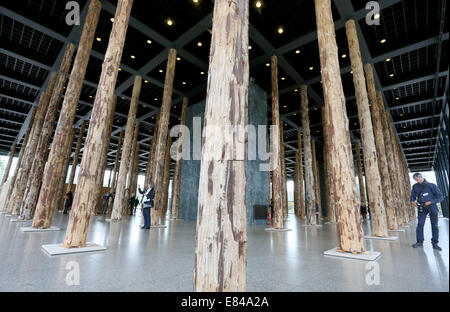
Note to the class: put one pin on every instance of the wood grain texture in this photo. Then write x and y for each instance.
(388, 196)
(299, 200)
(318, 207)
(76, 156)
(362, 188)
(59, 202)
(112, 189)
(221, 233)
(374, 188)
(331, 211)
(121, 198)
(12, 151)
(77, 227)
(350, 234)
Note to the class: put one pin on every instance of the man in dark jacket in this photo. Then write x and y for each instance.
(68, 202)
(149, 195)
(425, 196)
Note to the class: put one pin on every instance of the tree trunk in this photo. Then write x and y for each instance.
(19, 159)
(18, 188)
(112, 190)
(283, 174)
(277, 173)
(166, 181)
(54, 169)
(362, 188)
(77, 228)
(163, 128)
(351, 237)
(221, 235)
(331, 212)
(60, 192)
(104, 156)
(34, 182)
(392, 160)
(310, 198)
(76, 156)
(8, 165)
(134, 159)
(388, 195)
(378, 212)
(151, 156)
(318, 208)
(135, 173)
(120, 198)
(300, 179)
(178, 165)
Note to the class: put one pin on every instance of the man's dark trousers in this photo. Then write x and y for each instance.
(147, 216)
(434, 216)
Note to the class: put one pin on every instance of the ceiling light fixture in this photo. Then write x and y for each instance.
(283, 78)
(344, 55)
(112, 19)
(133, 57)
(202, 73)
(98, 39)
(267, 64)
(391, 75)
(311, 68)
(184, 82)
(258, 4)
(146, 81)
(383, 40)
(169, 22)
(149, 41)
(280, 30)
(178, 58)
(388, 60)
(297, 51)
(199, 44)
(160, 70)
(376, 16)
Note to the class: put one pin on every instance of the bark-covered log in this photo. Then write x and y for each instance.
(34, 181)
(8, 164)
(77, 228)
(394, 170)
(351, 236)
(60, 192)
(221, 235)
(378, 212)
(121, 198)
(135, 172)
(112, 189)
(104, 156)
(318, 207)
(386, 184)
(76, 156)
(18, 188)
(131, 170)
(362, 188)
(283, 174)
(277, 173)
(19, 159)
(54, 169)
(163, 129)
(166, 181)
(300, 178)
(178, 165)
(310, 198)
(331, 212)
(151, 156)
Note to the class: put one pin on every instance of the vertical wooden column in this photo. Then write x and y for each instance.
(301, 188)
(60, 190)
(296, 187)
(362, 188)
(76, 155)
(34, 180)
(18, 188)
(8, 164)
(90, 163)
(277, 173)
(283, 173)
(161, 137)
(120, 198)
(131, 169)
(331, 212)
(104, 157)
(53, 173)
(387, 187)
(19, 159)
(178, 165)
(151, 156)
(377, 208)
(310, 198)
(318, 207)
(135, 173)
(351, 237)
(166, 181)
(394, 170)
(112, 190)
(221, 235)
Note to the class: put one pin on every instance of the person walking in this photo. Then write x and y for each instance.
(148, 197)
(425, 195)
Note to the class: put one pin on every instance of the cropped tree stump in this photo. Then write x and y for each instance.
(221, 233)
(76, 156)
(310, 197)
(350, 234)
(277, 173)
(387, 187)
(377, 208)
(120, 199)
(178, 165)
(77, 227)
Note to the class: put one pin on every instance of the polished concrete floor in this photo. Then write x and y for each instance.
(162, 260)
